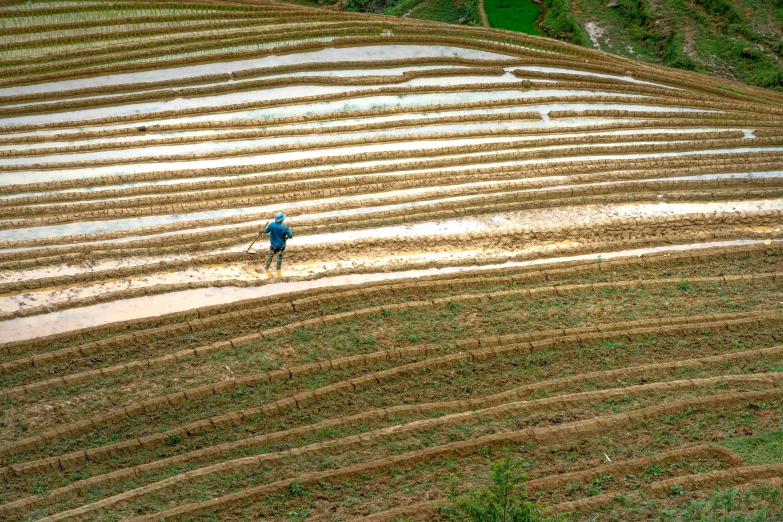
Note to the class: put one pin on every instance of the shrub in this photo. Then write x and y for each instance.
(296, 489)
(505, 499)
(771, 78)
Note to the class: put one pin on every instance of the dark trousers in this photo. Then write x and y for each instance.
(272, 252)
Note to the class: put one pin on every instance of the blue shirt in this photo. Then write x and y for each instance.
(278, 233)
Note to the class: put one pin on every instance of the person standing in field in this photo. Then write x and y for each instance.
(278, 235)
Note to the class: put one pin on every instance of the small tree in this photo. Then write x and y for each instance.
(505, 499)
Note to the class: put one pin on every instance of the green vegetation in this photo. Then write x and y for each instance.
(514, 15)
(447, 11)
(369, 6)
(729, 38)
(764, 448)
(761, 504)
(462, 475)
(401, 8)
(503, 500)
(472, 14)
(560, 23)
(728, 11)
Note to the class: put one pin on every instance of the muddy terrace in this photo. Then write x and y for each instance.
(501, 241)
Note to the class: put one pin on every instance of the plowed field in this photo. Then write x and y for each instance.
(501, 243)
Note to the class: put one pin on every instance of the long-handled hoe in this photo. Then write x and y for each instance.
(250, 248)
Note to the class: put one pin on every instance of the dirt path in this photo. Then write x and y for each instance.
(483, 13)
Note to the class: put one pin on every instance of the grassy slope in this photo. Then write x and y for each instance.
(737, 39)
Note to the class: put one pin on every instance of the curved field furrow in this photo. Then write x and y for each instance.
(152, 363)
(642, 370)
(379, 111)
(462, 419)
(459, 449)
(723, 225)
(754, 253)
(544, 485)
(248, 341)
(502, 245)
(468, 74)
(608, 376)
(329, 67)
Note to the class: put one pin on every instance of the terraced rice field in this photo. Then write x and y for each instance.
(501, 241)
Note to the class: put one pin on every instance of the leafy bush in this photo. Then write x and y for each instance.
(296, 489)
(454, 306)
(742, 30)
(769, 78)
(757, 68)
(667, 46)
(505, 499)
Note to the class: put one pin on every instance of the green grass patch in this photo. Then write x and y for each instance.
(764, 448)
(513, 15)
(760, 504)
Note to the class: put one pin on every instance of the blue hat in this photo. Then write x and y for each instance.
(279, 217)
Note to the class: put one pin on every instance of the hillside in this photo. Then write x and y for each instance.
(503, 244)
(741, 40)
(736, 39)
